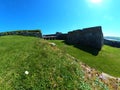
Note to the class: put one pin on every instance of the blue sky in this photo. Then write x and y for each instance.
(53, 16)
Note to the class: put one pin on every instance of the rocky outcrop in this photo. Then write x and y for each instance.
(92, 37)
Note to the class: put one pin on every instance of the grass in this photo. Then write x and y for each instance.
(107, 60)
(49, 68)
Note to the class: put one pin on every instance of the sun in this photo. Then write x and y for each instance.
(96, 1)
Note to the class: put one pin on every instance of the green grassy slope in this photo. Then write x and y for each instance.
(48, 67)
(108, 59)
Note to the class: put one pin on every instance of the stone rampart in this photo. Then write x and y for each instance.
(35, 33)
(58, 36)
(112, 43)
(92, 37)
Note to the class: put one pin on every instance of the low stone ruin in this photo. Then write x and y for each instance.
(112, 43)
(35, 33)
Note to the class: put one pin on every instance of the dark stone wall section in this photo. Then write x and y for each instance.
(58, 36)
(92, 37)
(35, 33)
(112, 43)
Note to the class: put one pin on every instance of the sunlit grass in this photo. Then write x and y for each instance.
(107, 60)
(29, 63)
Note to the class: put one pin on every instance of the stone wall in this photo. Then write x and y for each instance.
(62, 36)
(112, 43)
(92, 37)
(35, 33)
(58, 36)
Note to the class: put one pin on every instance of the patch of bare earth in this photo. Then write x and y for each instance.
(113, 83)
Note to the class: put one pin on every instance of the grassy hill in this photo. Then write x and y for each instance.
(107, 60)
(46, 67)
(29, 63)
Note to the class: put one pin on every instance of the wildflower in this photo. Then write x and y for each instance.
(26, 72)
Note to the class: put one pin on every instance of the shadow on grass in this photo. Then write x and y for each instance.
(90, 50)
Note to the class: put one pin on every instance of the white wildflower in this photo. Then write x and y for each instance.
(26, 72)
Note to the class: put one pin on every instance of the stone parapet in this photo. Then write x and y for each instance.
(92, 37)
(35, 33)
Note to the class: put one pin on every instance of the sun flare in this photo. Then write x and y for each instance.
(96, 1)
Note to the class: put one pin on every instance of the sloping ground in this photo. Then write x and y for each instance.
(107, 60)
(28, 63)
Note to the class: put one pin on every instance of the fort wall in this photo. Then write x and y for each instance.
(112, 43)
(92, 37)
(35, 33)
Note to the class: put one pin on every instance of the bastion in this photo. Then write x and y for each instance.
(91, 37)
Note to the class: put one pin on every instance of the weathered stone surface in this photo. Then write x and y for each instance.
(61, 36)
(112, 43)
(92, 37)
(58, 36)
(35, 33)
